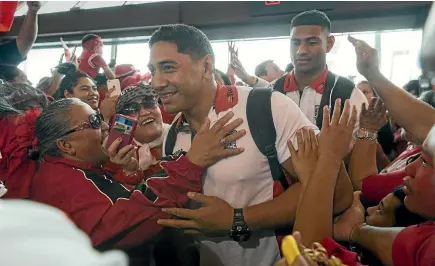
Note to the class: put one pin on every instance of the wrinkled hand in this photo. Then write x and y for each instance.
(300, 259)
(349, 220)
(208, 145)
(239, 70)
(125, 157)
(232, 49)
(34, 6)
(305, 158)
(337, 133)
(108, 105)
(215, 217)
(367, 61)
(374, 117)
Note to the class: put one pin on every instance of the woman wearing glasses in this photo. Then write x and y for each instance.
(140, 102)
(70, 175)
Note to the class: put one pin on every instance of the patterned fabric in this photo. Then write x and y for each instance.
(130, 93)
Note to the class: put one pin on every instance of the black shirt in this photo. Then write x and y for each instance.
(9, 53)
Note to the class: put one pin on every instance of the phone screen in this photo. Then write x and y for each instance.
(123, 125)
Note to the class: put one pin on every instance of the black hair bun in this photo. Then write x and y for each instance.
(66, 68)
(33, 154)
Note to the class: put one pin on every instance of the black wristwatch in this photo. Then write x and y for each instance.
(240, 231)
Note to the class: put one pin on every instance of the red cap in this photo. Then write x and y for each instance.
(124, 70)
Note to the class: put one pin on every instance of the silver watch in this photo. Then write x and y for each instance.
(364, 134)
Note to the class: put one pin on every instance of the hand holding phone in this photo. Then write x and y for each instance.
(119, 142)
(114, 87)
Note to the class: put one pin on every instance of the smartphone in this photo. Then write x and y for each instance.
(122, 127)
(115, 85)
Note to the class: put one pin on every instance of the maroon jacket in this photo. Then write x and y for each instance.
(103, 208)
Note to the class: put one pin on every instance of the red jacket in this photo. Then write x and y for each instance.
(103, 208)
(16, 167)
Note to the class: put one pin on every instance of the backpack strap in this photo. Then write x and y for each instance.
(336, 87)
(260, 121)
(279, 84)
(171, 138)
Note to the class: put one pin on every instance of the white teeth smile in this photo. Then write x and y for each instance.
(147, 121)
(166, 95)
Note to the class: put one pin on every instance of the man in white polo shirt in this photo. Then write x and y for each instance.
(182, 65)
(310, 84)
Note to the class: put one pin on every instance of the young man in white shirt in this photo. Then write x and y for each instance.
(306, 84)
(240, 193)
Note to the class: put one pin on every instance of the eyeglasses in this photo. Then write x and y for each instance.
(94, 121)
(134, 107)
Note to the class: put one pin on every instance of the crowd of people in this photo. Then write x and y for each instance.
(294, 167)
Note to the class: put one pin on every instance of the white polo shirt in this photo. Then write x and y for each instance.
(309, 99)
(245, 179)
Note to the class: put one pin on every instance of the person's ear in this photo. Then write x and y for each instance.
(67, 94)
(330, 43)
(208, 64)
(65, 147)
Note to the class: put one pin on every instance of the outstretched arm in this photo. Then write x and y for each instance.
(28, 31)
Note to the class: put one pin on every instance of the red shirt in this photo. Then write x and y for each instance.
(103, 208)
(376, 187)
(347, 257)
(167, 118)
(16, 167)
(90, 63)
(415, 246)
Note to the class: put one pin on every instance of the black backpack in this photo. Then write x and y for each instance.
(260, 120)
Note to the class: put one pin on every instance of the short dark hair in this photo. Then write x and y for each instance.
(311, 17)
(260, 70)
(189, 40)
(402, 216)
(89, 37)
(413, 86)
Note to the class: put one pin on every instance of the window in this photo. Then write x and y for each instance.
(136, 54)
(40, 61)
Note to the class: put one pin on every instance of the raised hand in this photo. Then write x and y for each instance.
(336, 134)
(374, 117)
(34, 6)
(208, 145)
(367, 61)
(305, 158)
(232, 49)
(238, 68)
